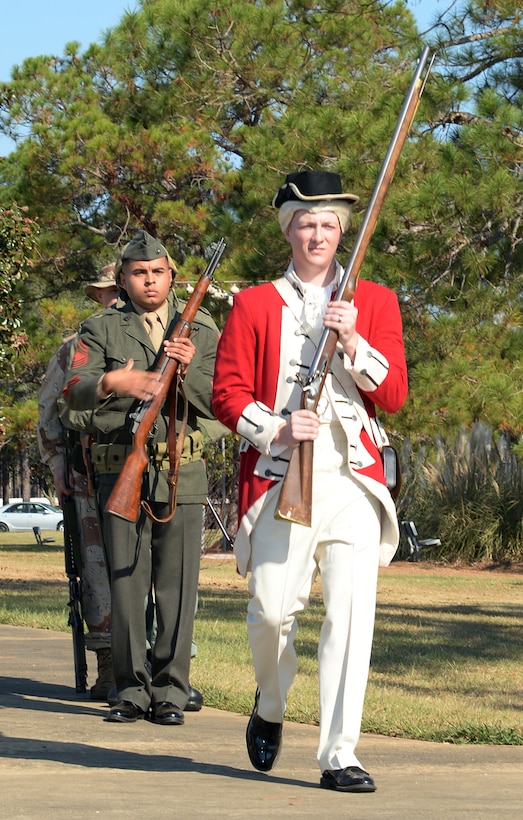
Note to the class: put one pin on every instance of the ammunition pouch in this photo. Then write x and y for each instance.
(391, 469)
(110, 458)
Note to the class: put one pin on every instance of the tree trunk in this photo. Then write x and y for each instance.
(25, 474)
(5, 484)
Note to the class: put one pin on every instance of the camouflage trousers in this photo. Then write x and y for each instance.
(96, 594)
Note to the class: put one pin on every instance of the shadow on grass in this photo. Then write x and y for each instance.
(425, 635)
(222, 604)
(35, 548)
(32, 601)
(404, 634)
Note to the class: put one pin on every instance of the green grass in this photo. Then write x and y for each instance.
(33, 585)
(447, 657)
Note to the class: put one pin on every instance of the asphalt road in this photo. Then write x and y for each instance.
(60, 759)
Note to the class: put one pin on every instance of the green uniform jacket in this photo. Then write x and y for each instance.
(107, 341)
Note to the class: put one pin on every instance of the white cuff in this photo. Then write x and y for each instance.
(370, 367)
(259, 426)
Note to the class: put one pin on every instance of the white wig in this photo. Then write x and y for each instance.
(341, 208)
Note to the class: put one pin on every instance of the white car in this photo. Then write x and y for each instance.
(24, 515)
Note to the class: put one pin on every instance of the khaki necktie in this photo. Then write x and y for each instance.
(154, 327)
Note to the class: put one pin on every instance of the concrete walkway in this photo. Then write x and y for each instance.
(60, 759)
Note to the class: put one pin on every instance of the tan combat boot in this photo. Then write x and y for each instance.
(105, 679)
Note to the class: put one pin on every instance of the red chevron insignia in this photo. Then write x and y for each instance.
(81, 355)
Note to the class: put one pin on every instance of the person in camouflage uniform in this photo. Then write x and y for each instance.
(60, 447)
(112, 371)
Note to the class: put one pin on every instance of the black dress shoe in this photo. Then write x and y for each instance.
(195, 701)
(166, 713)
(263, 741)
(349, 779)
(125, 712)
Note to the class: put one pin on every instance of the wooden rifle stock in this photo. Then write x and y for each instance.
(124, 500)
(295, 501)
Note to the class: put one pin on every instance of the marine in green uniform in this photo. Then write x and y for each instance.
(112, 371)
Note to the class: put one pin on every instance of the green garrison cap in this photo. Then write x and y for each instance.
(143, 248)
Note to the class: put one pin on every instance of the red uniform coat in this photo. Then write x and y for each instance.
(266, 343)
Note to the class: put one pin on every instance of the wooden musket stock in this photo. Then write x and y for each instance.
(295, 501)
(124, 500)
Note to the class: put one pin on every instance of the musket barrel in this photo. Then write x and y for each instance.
(381, 186)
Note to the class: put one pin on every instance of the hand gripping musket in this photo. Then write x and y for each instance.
(124, 500)
(295, 501)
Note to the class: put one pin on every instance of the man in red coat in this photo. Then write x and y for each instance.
(268, 342)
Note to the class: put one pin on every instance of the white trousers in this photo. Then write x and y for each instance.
(342, 544)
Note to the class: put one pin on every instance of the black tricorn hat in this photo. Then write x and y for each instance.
(310, 186)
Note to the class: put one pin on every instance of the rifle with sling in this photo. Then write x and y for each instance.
(124, 500)
(295, 501)
(72, 565)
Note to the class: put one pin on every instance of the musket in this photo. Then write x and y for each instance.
(125, 500)
(295, 500)
(72, 569)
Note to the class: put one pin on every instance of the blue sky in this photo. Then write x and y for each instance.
(34, 27)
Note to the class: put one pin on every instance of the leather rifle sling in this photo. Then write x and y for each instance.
(175, 445)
